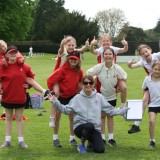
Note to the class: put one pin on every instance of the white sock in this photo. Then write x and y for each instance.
(123, 105)
(153, 140)
(55, 136)
(103, 136)
(137, 123)
(44, 91)
(20, 139)
(110, 136)
(8, 138)
(52, 117)
(71, 137)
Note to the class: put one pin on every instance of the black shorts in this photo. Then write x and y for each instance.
(65, 100)
(12, 105)
(154, 109)
(113, 102)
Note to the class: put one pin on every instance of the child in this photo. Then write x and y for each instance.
(106, 42)
(68, 78)
(148, 59)
(152, 84)
(67, 46)
(19, 60)
(109, 74)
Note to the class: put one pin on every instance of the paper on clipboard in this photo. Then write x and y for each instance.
(135, 110)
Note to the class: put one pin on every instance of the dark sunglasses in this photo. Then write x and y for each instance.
(86, 83)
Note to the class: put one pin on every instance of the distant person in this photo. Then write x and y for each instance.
(86, 108)
(30, 51)
(148, 59)
(152, 84)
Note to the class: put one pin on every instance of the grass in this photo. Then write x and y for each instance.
(38, 135)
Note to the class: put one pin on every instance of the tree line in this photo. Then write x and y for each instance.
(41, 20)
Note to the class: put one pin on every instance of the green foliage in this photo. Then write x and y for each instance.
(74, 24)
(46, 12)
(15, 19)
(38, 135)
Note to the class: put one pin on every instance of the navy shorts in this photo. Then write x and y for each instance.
(154, 109)
(12, 105)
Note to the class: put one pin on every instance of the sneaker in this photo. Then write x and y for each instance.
(52, 123)
(23, 145)
(6, 144)
(81, 149)
(152, 144)
(48, 92)
(56, 143)
(134, 129)
(89, 146)
(104, 141)
(73, 143)
(112, 142)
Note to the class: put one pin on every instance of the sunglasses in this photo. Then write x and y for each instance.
(86, 83)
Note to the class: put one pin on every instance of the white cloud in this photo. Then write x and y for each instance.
(139, 13)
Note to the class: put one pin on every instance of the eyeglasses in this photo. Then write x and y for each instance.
(86, 83)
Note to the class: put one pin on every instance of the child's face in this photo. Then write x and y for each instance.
(106, 42)
(156, 71)
(70, 46)
(146, 53)
(12, 56)
(3, 48)
(73, 62)
(108, 56)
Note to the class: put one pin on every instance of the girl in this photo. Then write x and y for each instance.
(109, 74)
(69, 78)
(152, 83)
(13, 79)
(87, 107)
(148, 59)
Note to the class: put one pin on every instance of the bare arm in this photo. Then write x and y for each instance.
(132, 64)
(125, 48)
(93, 43)
(83, 49)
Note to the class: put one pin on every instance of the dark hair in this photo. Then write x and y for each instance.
(108, 48)
(88, 77)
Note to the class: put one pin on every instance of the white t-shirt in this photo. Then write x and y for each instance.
(148, 67)
(154, 91)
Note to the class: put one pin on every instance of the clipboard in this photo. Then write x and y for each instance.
(135, 110)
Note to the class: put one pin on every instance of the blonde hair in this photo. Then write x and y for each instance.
(140, 47)
(2, 42)
(105, 35)
(68, 39)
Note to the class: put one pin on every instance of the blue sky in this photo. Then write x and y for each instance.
(139, 13)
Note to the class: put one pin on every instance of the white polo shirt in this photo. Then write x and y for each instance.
(108, 78)
(154, 91)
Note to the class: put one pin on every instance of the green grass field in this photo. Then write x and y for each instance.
(38, 135)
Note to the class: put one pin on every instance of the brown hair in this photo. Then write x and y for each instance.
(157, 63)
(88, 77)
(108, 49)
(140, 47)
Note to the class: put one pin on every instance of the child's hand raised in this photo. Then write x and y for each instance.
(94, 41)
(124, 42)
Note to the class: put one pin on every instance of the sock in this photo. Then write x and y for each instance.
(52, 117)
(71, 137)
(153, 140)
(8, 138)
(110, 136)
(103, 136)
(55, 136)
(20, 139)
(137, 123)
(123, 105)
(44, 91)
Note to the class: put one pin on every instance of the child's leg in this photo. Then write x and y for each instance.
(135, 127)
(152, 121)
(103, 120)
(52, 117)
(123, 88)
(35, 85)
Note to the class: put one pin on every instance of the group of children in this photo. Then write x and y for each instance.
(66, 82)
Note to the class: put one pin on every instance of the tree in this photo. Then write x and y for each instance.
(74, 24)
(46, 12)
(15, 19)
(111, 21)
(133, 34)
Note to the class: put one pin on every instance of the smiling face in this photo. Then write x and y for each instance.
(73, 62)
(88, 85)
(156, 70)
(70, 46)
(105, 41)
(146, 53)
(3, 47)
(12, 57)
(108, 55)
